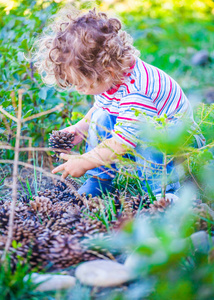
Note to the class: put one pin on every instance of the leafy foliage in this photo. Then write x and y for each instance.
(13, 285)
(20, 27)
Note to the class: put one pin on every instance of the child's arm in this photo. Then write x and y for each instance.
(105, 153)
(80, 129)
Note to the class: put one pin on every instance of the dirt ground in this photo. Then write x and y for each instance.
(28, 182)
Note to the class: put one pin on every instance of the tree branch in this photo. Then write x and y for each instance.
(15, 171)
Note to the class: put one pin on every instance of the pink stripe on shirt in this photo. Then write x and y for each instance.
(122, 137)
(129, 119)
(159, 86)
(111, 112)
(179, 99)
(126, 87)
(103, 94)
(132, 67)
(140, 104)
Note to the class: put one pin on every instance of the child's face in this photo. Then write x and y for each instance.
(101, 88)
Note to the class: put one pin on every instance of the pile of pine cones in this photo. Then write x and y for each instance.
(55, 226)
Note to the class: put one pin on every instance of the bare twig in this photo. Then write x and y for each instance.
(25, 149)
(8, 115)
(31, 70)
(5, 123)
(13, 98)
(30, 153)
(164, 176)
(48, 149)
(29, 139)
(58, 107)
(15, 171)
(193, 176)
(6, 146)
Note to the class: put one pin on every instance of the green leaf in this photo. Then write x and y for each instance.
(14, 244)
(16, 76)
(20, 56)
(28, 113)
(43, 93)
(24, 44)
(2, 130)
(150, 193)
(50, 93)
(3, 179)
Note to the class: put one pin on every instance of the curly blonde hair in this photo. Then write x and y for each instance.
(83, 50)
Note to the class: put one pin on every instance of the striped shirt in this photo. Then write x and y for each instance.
(146, 91)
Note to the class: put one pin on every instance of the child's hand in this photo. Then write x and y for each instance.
(78, 137)
(75, 166)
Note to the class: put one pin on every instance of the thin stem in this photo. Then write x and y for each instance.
(8, 115)
(164, 176)
(193, 176)
(15, 173)
(58, 107)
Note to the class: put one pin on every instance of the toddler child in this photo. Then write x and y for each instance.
(91, 53)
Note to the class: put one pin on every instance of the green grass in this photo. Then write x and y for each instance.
(13, 285)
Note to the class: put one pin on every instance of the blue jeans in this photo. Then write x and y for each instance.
(150, 173)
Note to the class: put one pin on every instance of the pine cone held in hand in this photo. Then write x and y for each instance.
(61, 140)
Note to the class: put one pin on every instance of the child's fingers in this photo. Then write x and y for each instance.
(58, 169)
(64, 174)
(65, 156)
(69, 131)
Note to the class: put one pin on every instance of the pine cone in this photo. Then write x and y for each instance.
(70, 181)
(4, 217)
(118, 204)
(64, 192)
(67, 222)
(41, 204)
(159, 206)
(128, 211)
(64, 251)
(93, 205)
(140, 202)
(93, 250)
(86, 227)
(60, 141)
(3, 240)
(25, 232)
(202, 219)
(25, 199)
